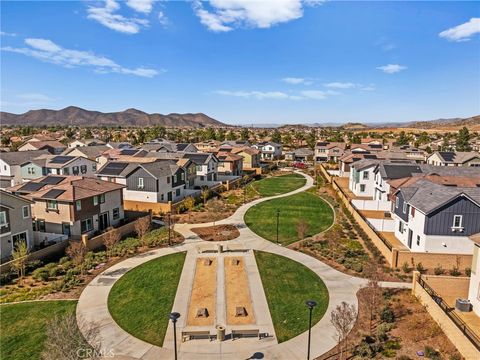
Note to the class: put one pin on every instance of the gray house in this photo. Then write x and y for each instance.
(15, 223)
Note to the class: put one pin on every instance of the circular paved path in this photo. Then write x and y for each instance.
(92, 309)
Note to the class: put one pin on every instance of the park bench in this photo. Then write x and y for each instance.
(192, 335)
(236, 334)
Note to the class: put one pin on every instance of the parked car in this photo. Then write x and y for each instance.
(299, 165)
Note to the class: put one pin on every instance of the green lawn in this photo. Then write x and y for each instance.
(23, 327)
(303, 206)
(277, 185)
(288, 284)
(141, 300)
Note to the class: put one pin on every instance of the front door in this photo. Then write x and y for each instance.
(169, 196)
(66, 229)
(410, 236)
(103, 221)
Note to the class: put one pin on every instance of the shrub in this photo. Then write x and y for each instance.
(420, 268)
(406, 268)
(41, 274)
(455, 357)
(431, 353)
(438, 270)
(387, 315)
(468, 271)
(455, 271)
(52, 269)
(63, 260)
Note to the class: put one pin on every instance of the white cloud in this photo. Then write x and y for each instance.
(279, 95)
(225, 15)
(36, 97)
(370, 87)
(462, 32)
(340, 85)
(46, 50)
(3, 33)
(391, 68)
(28, 100)
(143, 6)
(162, 18)
(107, 17)
(296, 81)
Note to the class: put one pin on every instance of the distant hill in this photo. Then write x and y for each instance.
(472, 123)
(80, 117)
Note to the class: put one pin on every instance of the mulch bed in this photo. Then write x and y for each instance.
(217, 232)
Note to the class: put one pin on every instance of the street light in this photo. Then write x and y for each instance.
(310, 304)
(169, 229)
(174, 317)
(278, 216)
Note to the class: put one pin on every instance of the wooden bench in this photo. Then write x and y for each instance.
(236, 334)
(192, 335)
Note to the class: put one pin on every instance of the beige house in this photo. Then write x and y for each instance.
(53, 146)
(451, 158)
(15, 223)
(251, 157)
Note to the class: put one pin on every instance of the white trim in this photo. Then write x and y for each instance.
(28, 211)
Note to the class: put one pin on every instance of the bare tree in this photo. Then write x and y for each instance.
(205, 194)
(19, 262)
(65, 341)
(215, 206)
(373, 294)
(110, 239)
(189, 204)
(142, 225)
(77, 252)
(302, 228)
(343, 318)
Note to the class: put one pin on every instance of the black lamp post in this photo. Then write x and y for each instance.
(278, 217)
(169, 229)
(310, 304)
(174, 317)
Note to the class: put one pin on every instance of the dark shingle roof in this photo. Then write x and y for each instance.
(20, 157)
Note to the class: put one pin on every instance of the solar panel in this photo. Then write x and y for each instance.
(31, 186)
(113, 168)
(53, 194)
(60, 159)
(448, 156)
(52, 180)
(129, 151)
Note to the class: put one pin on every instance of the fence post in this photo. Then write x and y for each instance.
(85, 240)
(414, 280)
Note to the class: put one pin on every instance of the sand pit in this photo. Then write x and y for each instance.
(237, 291)
(203, 293)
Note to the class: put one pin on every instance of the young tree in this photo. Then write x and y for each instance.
(110, 239)
(215, 206)
(205, 194)
(373, 293)
(463, 138)
(142, 225)
(19, 255)
(276, 136)
(189, 204)
(343, 318)
(402, 139)
(64, 341)
(77, 252)
(302, 228)
(244, 134)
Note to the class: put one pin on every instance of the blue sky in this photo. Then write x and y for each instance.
(245, 62)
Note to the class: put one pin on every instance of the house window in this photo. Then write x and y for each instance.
(75, 170)
(26, 211)
(182, 176)
(116, 213)
(140, 183)
(177, 192)
(66, 171)
(412, 211)
(400, 227)
(457, 221)
(40, 225)
(102, 198)
(78, 205)
(83, 169)
(362, 188)
(86, 225)
(94, 167)
(397, 202)
(365, 175)
(3, 218)
(175, 178)
(168, 180)
(95, 200)
(418, 240)
(52, 205)
(404, 208)
(202, 178)
(162, 197)
(16, 239)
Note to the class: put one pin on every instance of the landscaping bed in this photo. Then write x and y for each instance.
(141, 300)
(288, 284)
(217, 232)
(302, 208)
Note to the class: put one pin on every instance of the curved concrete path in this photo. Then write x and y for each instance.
(92, 308)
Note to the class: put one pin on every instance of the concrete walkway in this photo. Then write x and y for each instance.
(92, 307)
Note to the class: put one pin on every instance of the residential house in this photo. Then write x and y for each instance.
(76, 206)
(269, 150)
(57, 165)
(10, 166)
(229, 164)
(15, 223)
(346, 161)
(365, 148)
(92, 152)
(329, 151)
(85, 142)
(169, 146)
(434, 218)
(206, 168)
(119, 145)
(53, 147)
(301, 155)
(474, 286)
(251, 157)
(451, 158)
(361, 180)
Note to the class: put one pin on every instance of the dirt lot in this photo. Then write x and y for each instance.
(198, 217)
(237, 291)
(203, 292)
(217, 233)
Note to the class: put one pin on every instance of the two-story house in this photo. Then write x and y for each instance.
(450, 158)
(206, 168)
(15, 223)
(229, 164)
(361, 181)
(92, 152)
(251, 157)
(10, 166)
(77, 206)
(57, 165)
(269, 150)
(435, 218)
(53, 147)
(329, 151)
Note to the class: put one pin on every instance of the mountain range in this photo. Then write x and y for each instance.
(80, 117)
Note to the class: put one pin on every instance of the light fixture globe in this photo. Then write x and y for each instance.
(311, 304)
(174, 316)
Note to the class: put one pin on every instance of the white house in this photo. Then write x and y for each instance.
(269, 150)
(362, 178)
(474, 288)
(10, 166)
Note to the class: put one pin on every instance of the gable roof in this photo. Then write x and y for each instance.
(89, 151)
(20, 157)
(456, 157)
